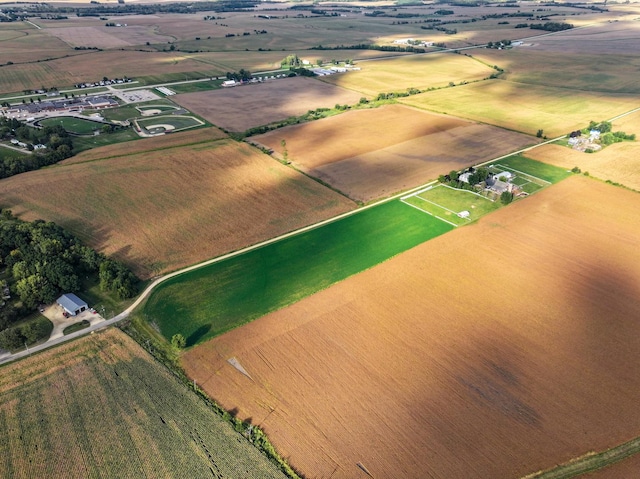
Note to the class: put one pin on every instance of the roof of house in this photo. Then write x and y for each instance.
(71, 302)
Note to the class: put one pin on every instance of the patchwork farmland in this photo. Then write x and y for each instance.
(159, 212)
(375, 153)
(101, 406)
(217, 298)
(523, 107)
(444, 362)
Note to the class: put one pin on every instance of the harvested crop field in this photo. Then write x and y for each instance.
(496, 350)
(161, 210)
(243, 107)
(618, 38)
(102, 407)
(619, 163)
(157, 143)
(524, 107)
(426, 71)
(373, 153)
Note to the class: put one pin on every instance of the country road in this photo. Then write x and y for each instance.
(7, 357)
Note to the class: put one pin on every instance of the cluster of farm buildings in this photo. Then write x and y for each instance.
(497, 183)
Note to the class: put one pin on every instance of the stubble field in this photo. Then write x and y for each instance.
(159, 211)
(102, 407)
(619, 162)
(416, 71)
(243, 107)
(369, 154)
(451, 361)
(524, 107)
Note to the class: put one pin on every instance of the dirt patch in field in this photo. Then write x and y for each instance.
(619, 163)
(243, 107)
(369, 154)
(496, 350)
(161, 210)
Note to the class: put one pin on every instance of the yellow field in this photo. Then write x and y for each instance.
(159, 211)
(422, 72)
(101, 406)
(583, 71)
(523, 107)
(619, 162)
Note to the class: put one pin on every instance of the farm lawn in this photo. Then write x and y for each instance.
(101, 406)
(496, 350)
(212, 300)
(522, 164)
(446, 203)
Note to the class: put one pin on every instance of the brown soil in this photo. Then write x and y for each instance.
(243, 107)
(499, 349)
(162, 210)
(369, 154)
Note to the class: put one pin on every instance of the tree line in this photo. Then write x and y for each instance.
(40, 261)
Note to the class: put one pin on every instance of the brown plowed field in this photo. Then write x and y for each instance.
(496, 350)
(243, 107)
(161, 210)
(369, 154)
(619, 162)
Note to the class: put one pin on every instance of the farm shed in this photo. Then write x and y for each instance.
(72, 304)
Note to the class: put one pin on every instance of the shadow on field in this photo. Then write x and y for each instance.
(195, 337)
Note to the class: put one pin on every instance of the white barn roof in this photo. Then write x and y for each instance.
(71, 303)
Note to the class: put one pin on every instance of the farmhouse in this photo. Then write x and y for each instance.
(72, 304)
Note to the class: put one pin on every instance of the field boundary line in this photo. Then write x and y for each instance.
(428, 212)
(523, 173)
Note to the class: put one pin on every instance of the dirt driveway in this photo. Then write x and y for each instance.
(54, 313)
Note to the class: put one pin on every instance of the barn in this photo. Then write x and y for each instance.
(72, 304)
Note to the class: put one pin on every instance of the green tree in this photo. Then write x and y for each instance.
(540, 133)
(178, 341)
(506, 197)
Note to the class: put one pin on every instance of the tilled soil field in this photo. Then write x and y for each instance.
(496, 350)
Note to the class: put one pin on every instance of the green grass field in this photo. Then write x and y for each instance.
(546, 172)
(11, 153)
(211, 300)
(199, 86)
(446, 202)
(86, 143)
(102, 407)
(74, 125)
(179, 122)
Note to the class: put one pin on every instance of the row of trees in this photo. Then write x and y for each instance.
(42, 260)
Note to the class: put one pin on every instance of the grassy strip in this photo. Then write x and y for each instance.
(544, 171)
(76, 327)
(141, 332)
(590, 462)
(209, 301)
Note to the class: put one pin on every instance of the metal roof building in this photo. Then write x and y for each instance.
(72, 304)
